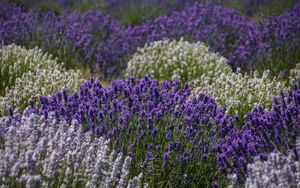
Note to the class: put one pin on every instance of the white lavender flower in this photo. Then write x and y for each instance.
(171, 59)
(278, 171)
(239, 93)
(16, 60)
(295, 74)
(30, 73)
(39, 152)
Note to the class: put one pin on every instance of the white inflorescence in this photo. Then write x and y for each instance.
(295, 74)
(31, 73)
(36, 152)
(16, 60)
(278, 171)
(239, 93)
(171, 59)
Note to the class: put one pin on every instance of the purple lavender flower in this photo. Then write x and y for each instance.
(71, 36)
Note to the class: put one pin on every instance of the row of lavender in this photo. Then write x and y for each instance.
(101, 42)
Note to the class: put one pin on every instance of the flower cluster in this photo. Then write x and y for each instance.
(75, 34)
(239, 93)
(219, 28)
(167, 135)
(277, 171)
(16, 61)
(264, 132)
(295, 74)
(16, 25)
(171, 59)
(26, 74)
(71, 36)
(273, 44)
(36, 152)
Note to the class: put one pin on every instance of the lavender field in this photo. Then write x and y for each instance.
(149, 93)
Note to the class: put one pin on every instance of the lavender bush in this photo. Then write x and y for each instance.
(16, 25)
(277, 171)
(26, 74)
(36, 152)
(16, 61)
(264, 132)
(167, 135)
(171, 59)
(273, 44)
(73, 37)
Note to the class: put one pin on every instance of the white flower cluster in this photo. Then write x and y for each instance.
(30, 73)
(171, 59)
(295, 74)
(36, 152)
(16, 60)
(278, 171)
(239, 93)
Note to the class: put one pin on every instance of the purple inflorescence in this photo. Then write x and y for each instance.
(72, 34)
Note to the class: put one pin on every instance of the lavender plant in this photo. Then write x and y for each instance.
(26, 74)
(171, 59)
(71, 36)
(16, 61)
(277, 171)
(16, 25)
(75, 36)
(273, 44)
(167, 135)
(264, 132)
(39, 152)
